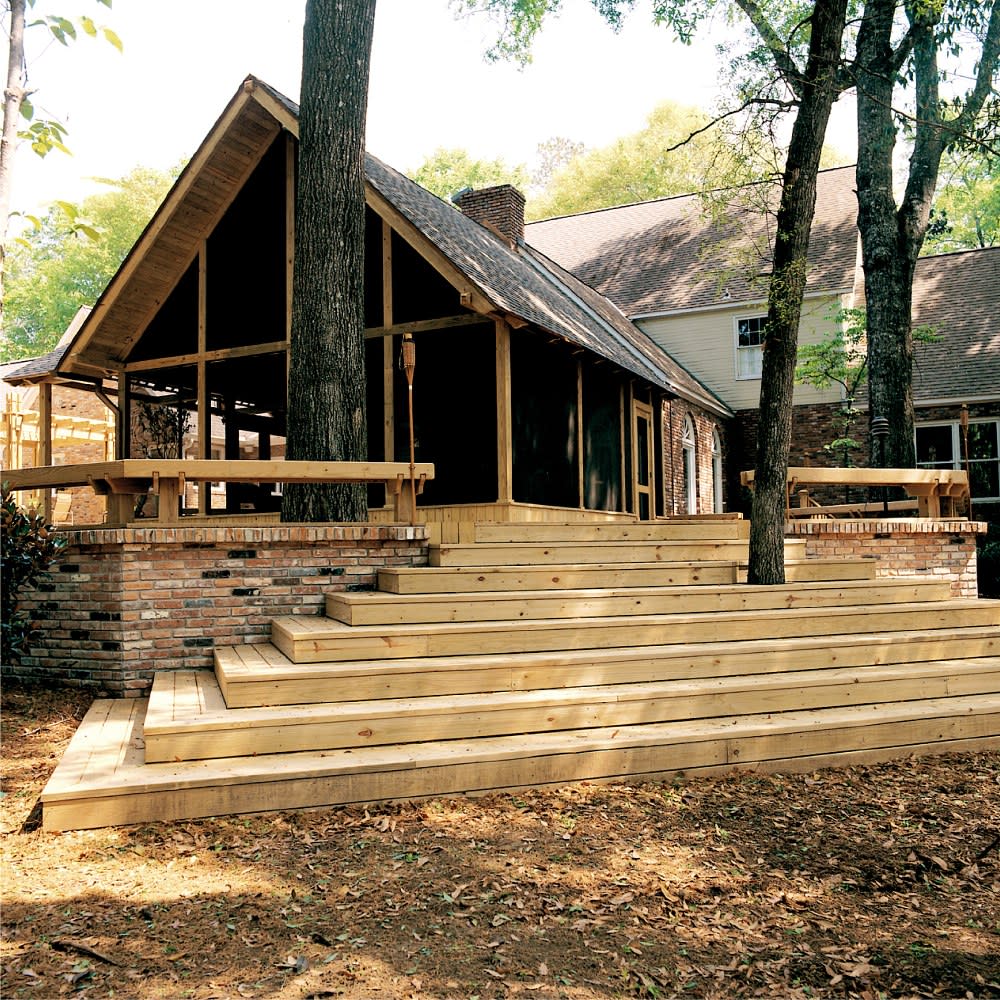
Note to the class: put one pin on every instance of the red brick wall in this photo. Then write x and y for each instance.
(921, 548)
(674, 412)
(125, 602)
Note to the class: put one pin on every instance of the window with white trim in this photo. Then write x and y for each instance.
(749, 346)
(716, 472)
(939, 446)
(689, 453)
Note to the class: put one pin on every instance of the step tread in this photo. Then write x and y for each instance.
(311, 628)
(105, 756)
(191, 699)
(346, 605)
(267, 660)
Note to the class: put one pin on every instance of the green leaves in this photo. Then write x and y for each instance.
(44, 136)
(28, 547)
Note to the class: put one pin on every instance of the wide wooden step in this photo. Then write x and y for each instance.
(306, 639)
(548, 553)
(103, 779)
(374, 608)
(674, 529)
(188, 719)
(262, 675)
(466, 579)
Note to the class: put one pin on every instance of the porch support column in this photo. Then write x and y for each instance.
(45, 441)
(388, 369)
(505, 430)
(204, 403)
(579, 434)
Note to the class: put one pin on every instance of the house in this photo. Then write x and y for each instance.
(533, 393)
(682, 269)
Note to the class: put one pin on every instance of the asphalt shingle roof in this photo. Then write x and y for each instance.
(956, 294)
(670, 255)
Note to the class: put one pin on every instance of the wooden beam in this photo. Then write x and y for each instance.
(204, 403)
(425, 325)
(290, 158)
(123, 419)
(623, 503)
(580, 483)
(388, 369)
(505, 430)
(223, 354)
(45, 441)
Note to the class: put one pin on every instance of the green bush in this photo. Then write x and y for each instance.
(29, 547)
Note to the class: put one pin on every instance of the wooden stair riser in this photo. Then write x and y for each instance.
(561, 553)
(261, 675)
(187, 719)
(290, 781)
(383, 609)
(640, 531)
(308, 640)
(473, 579)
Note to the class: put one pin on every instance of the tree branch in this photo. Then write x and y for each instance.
(786, 65)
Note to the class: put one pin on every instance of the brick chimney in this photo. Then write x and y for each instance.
(500, 209)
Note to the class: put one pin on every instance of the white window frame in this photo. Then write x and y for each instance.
(749, 350)
(717, 504)
(689, 456)
(957, 460)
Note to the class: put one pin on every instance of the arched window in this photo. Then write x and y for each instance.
(689, 450)
(716, 471)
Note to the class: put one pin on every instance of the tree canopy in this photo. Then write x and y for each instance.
(966, 211)
(447, 171)
(56, 268)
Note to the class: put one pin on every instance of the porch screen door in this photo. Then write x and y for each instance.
(643, 462)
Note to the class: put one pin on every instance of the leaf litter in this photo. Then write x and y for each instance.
(870, 882)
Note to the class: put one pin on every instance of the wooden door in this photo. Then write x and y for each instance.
(643, 461)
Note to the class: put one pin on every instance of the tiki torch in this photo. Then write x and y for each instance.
(963, 422)
(409, 364)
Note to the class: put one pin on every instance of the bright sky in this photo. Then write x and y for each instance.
(430, 84)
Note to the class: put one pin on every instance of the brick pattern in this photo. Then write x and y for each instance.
(126, 602)
(499, 208)
(674, 412)
(923, 548)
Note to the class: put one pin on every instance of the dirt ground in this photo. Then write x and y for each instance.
(870, 882)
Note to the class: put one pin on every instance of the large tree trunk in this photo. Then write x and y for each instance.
(13, 95)
(891, 236)
(817, 90)
(326, 387)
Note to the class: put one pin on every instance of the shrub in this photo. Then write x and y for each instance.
(28, 547)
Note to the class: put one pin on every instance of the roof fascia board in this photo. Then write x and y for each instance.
(470, 294)
(745, 304)
(918, 403)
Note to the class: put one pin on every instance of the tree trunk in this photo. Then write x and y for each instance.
(891, 237)
(326, 387)
(13, 95)
(817, 90)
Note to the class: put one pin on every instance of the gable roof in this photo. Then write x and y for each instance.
(501, 281)
(670, 255)
(956, 294)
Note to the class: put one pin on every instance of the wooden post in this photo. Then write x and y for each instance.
(580, 485)
(232, 453)
(505, 431)
(388, 368)
(45, 440)
(204, 401)
(623, 502)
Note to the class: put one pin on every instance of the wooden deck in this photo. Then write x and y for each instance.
(465, 678)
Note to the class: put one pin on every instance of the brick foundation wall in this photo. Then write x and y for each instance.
(943, 550)
(125, 602)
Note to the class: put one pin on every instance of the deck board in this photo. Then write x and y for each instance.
(127, 793)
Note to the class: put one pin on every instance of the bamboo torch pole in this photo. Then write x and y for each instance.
(409, 364)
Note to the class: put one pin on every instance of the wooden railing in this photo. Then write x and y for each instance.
(935, 490)
(124, 480)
